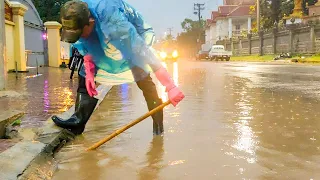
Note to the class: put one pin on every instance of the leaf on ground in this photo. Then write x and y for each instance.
(16, 122)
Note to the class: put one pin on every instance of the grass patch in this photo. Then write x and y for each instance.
(311, 59)
(253, 58)
(268, 58)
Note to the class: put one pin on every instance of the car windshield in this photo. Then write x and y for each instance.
(218, 48)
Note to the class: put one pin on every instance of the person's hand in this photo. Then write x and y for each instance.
(174, 93)
(91, 86)
(175, 96)
(90, 72)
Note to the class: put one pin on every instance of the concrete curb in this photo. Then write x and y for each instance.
(7, 118)
(15, 161)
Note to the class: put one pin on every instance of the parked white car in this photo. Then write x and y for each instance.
(218, 52)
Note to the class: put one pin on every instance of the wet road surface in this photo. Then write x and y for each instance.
(238, 121)
(39, 96)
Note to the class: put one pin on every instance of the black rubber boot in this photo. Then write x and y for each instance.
(151, 96)
(157, 117)
(84, 107)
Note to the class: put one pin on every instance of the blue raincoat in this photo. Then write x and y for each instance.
(121, 41)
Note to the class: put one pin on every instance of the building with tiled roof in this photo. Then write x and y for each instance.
(229, 20)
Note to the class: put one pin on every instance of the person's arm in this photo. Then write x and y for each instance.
(89, 67)
(117, 30)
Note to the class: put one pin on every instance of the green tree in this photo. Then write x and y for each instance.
(272, 11)
(308, 3)
(192, 32)
(49, 10)
(169, 37)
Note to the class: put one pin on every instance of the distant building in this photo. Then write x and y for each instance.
(233, 17)
(314, 13)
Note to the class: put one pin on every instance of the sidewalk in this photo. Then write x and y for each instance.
(39, 97)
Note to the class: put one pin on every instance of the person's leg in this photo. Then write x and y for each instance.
(84, 108)
(151, 96)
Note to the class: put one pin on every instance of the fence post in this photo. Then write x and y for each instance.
(275, 32)
(291, 37)
(261, 43)
(240, 46)
(232, 47)
(249, 43)
(313, 39)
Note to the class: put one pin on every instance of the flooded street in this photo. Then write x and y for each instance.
(238, 121)
(41, 96)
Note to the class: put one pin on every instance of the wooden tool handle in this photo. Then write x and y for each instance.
(121, 130)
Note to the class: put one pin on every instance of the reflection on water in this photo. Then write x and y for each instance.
(154, 161)
(226, 128)
(42, 95)
(33, 76)
(46, 99)
(245, 141)
(175, 73)
(66, 98)
(173, 68)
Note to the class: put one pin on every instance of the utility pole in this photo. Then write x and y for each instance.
(170, 31)
(197, 11)
(2, 45)
(198, 7)
(258, 15)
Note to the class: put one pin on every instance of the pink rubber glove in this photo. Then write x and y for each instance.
(90, 72)
(174, 93)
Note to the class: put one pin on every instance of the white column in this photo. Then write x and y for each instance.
(54, 46)
(217, 33)
(230, 28)
(211, 35)
(249, 24)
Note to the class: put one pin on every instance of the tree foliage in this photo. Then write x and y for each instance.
(308, 3)
(49, 10)
(273, 11)
(192, 36)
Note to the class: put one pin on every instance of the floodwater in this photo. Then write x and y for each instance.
(39, 96)
(238, 121)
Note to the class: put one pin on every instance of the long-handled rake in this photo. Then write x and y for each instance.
(129, 125)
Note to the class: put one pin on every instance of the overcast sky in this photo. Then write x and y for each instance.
(163, 14)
